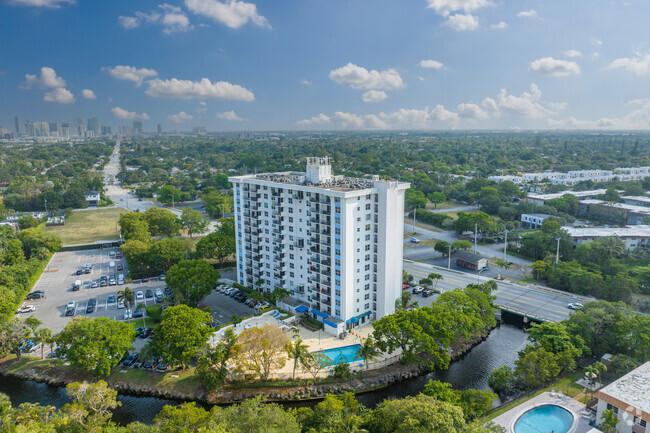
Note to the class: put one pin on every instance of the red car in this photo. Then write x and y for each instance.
(119, 266)
(118, 255)
(405, 286)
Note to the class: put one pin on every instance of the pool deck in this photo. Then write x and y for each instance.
(580, 417)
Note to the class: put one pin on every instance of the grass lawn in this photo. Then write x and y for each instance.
(566, 384)
(87, 226)
(444, 205)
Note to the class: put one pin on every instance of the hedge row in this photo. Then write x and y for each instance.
(427, 217)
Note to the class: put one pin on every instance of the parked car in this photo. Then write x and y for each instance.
(120, 304)
(161, 366)
(130, 360)
(167, 291)
(162, 277)
(111, 254)
(139, 296)
(26, 309)
(148, 294)
(87, 271)
(427, 293)
(118, 255)
(128, 315)
(111, 299)
(80, 271)
(119, 267)
(415, 240)
(145, 279)
(148, 365)
(90, 307)
(70, 308)
(94, 284)
(76, 285)
(418, 289)
(37, 294)
(103, 281)
(405, 286)
(159, 295)
(137, 314)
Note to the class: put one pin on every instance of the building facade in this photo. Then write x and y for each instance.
(334, 242)
(533, 220)
(629, 398)
(633, 237)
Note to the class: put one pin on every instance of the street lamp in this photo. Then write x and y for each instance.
(478, 277)
(557, 253)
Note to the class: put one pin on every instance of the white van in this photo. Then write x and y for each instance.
(120, 279)
(111, 265)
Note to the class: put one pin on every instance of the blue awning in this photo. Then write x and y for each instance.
(302, 309)
(319, 313)
(327, 322)
(361, 316)
(352, 320)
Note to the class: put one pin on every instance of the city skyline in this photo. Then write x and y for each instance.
(258, 65)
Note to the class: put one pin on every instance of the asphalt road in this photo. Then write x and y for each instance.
(545, 304)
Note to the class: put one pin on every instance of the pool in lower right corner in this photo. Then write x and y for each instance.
(548, 418)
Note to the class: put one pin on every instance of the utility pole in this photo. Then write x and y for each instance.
(557, 253)
(475, 235)
(449, 258)
(505, 248)
(414, 210)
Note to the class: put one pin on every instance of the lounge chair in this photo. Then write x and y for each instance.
(560, 395)
(552, 392)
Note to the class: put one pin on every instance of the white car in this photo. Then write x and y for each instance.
(26, 309)
(139, 296)
(128, 315)
(418, 289)
(575, 306)
(415, 240)
(120, 304)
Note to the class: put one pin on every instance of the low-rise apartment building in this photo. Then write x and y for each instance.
(633, 237)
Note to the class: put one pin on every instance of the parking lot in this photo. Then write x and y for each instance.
(223, 306)
(59, 276)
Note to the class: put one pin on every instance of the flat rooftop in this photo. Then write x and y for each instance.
(628, 207)
(560, 194)
(631, 389)
(597, 232)
(536, 215)
(337, 183)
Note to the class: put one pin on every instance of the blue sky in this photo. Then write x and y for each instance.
(336, 64)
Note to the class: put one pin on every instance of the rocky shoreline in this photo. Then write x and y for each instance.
(384, 377)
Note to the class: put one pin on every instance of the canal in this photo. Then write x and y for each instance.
(500, 348)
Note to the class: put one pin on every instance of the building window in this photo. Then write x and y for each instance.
(367, 247)
(366, 306)
(640, 422)
(614, 408)
(366, 297)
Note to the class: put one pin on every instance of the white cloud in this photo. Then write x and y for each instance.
(596, 42)
(315, 120)
(128, 22)
(640, 64)
(431, 64)
(527, 14)
(59, 95)
(426, 117)
(460, 22)
(471, 111)
(230, 115)
(306, 82)
(53, 4)
(573, 53)
(422, 118)
(594, 56)
(232, 13)
(374, 96)
(173, 19)
(361, 78)
(180, 117)
(48, 78)
(499, 26)
(121, 113)
(490, 106)
(346, 121)
(526, 105)
(131, 73)
(88, 94)
(555, 67)
(186, 89)
(558, 106)
(445, 7)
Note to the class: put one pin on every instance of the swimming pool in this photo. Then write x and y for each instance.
(545, 419)
(343, 354)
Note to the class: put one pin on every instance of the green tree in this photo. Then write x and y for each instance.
(299, 353)
(134, 227)
(212, 364)
(536, 367)
(279, 294)
(415, 198)
(192, 280)
(436, 198)
(261, 350)
(165, 253)
(12, 334)
(442, 247)
(217, 205)
(91, 404)
(43, 336)
(169, 194)
(254, 415)
(32, 323)
(611, 195)
(182, 333)
(336, 413)
(502, 380)
(33, 239)
(95, 344)
(162, 222)
(408, 278)
(28, 222)
(193, 221)
(610, 420)
(219, 244)
(434, 278)
(368, 351)
(460, 246)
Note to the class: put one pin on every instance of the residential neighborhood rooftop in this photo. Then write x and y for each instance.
(631, 389)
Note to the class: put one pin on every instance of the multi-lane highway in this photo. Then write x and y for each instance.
(530, 301)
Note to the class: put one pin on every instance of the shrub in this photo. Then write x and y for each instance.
(342, 371)
(154, 312)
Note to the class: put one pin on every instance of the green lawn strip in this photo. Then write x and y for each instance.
(182, 381)
(566, 384)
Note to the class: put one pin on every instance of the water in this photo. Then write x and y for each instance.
(343, 354)
(545, 419)
(471, 371)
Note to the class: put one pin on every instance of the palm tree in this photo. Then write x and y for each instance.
(609, 421)
(33, 323)
(435, 277)
(298, 353)
(613, 246)
(142, 307)
(235, 320)
(43, 336)
(127, 296)
(368, 351)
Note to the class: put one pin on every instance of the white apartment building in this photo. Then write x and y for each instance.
(533, 220)
(624, 174)
(629, 398)
(334, 242)
(633, 237)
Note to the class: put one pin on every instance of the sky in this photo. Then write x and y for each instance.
(328, 65)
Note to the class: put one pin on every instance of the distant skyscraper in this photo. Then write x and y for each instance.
(137, 127)
(93, 125)
(199, 130)
(159, 129)
(17, 124)
(106, 130)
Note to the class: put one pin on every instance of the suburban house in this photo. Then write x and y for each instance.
(633, 237)
(92, 198)
(469, 260)
(533, 220)
(629, 398)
